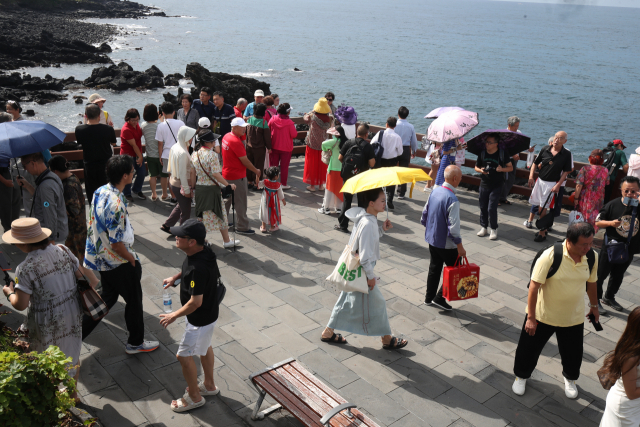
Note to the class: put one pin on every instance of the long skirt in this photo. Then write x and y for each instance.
(315, 172)
(332, 195)
(362, 314)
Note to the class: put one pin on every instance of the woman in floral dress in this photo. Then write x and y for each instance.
(209, 206)
(590, 183)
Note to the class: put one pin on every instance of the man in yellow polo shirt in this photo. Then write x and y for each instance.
(556, 305)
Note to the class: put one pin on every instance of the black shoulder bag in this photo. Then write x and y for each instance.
(618, 252)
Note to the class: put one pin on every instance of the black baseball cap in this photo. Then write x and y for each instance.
(191, 228)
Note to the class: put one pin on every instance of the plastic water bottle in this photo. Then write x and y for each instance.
(529, 159)
(166, 300)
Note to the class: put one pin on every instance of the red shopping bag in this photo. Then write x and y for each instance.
(461, 281)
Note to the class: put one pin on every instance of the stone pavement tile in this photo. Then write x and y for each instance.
(515, 412)
(410, 311)
(290, 340)
(461, 423)
(272, 355)
(517, 260)
(252, 313)
(610, 334)
(591, 388)
(498, 358)
(339, 352)
(105, 347)
(405, 292)
(614, 323)
(491, 320)
(455, 335)
(216, 413)
(512, 316)
(326, 298)
(320, 316)
(502, 381)
(473, 412)
(232, 278)
(280, 418)
(374, 373)
(417, 375)
(248, 336)
(134, 378)
(423, 337)
(239, 260)
(422, 355)
(599, 342)
(297, 299)
(500, 285)
(413, 282)
(561, 415)
(226, 316)
(373, 401)
(170, 334)
(332, 372)
(485, 258)
(261, 296)
(93, 376)
(114, 408)
(232, 296)
(521, 274)
(429, 412)
(235, 391)
(508, 300)
(453, 318)
(486, 304)
(401, 324)
(292, 317)
(157, 409)
(594, 411)
(157, 358)
(550, 387)
(172, 379)
(464, 381)
(410, 420)
(238, 359)
(496, 339)
(458, 356)
(301, 283)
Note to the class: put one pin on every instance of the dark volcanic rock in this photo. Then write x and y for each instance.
(122, 77)
(24, 88)
(232, 86)
(173, 79)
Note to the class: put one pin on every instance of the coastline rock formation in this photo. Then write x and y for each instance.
(232, 86)
(25, 88)
(122, 77)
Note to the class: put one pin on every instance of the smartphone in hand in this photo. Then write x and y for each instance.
(596, 325)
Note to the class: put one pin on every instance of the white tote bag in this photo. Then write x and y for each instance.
(575, 216)
(348, 275)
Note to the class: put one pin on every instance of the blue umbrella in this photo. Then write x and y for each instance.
(26, 137)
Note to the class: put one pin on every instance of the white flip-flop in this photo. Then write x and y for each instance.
(189, 406)
(204, 391)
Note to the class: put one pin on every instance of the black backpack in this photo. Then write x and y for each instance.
(353, 161)
(557, 259)
(608, 154)
(378, 150)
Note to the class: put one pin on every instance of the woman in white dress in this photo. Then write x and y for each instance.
(623, 405)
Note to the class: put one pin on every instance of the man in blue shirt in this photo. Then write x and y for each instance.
(409, 144)
(222, 114)
(203, 105)
(258, 96)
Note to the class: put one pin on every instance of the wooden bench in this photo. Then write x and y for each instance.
(308, 399)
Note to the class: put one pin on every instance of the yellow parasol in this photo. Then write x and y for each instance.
(384, 177)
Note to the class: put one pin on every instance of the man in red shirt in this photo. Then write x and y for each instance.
(234, 171)
(131, 145)
(241, 105)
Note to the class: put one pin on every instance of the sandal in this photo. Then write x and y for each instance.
(276, 228)
(395, 344)
(164, 198)
(264, 230)
(506, 202)
(186, 404)
(335, 338)
(154, 198)
(165, 229)
(203, 390)
(310, 188)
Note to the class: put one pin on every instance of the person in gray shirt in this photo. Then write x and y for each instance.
(48, 197)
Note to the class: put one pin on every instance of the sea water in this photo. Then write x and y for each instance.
(557, 67)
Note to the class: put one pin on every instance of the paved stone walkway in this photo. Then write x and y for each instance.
(456, 370)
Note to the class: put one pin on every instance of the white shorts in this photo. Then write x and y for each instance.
(165, 165)
(196, 340)
(540, 193)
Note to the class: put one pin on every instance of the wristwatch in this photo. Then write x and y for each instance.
(9, 296)
(593, 305)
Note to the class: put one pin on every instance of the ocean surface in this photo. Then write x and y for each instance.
(557, 67)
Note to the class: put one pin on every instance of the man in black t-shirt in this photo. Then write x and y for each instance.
(367, 161)
(222, 114)
(198, 296)
(615, 217)
(97, 141)
(491, 164)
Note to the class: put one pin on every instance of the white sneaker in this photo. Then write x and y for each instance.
(519, 386)
(286, 187)
(482, 232)
(570, 389)
(494, 234)
(324, 211)
(528, 224)
(229, 244)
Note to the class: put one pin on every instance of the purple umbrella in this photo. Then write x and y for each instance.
(452, 125)
(441, 110)
(511, 142)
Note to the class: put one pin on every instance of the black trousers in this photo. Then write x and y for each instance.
(439, 257)
(95, 176)
(530, 347)
(11, 200)
(124, 281)
(488, 199)
(386, 163)
(615, 272)
(347, 198)
(404, 160)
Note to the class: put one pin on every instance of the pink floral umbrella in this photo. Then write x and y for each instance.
(452, 125)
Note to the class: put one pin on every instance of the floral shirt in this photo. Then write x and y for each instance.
(206, 163)
(109, 224)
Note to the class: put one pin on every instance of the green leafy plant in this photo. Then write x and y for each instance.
(29, 392)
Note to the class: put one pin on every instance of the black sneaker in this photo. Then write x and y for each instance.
(400, 197)
(141, 196)
(129, 198)
(539, 238)
(174, 201)
(390, 205)
(611, 302)
(248, 232)
(344, 230)
(442, 303)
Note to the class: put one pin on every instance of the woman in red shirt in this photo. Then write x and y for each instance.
(131, 145)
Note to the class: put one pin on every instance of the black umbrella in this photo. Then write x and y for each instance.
(511, 142)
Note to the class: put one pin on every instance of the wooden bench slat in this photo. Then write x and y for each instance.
(315, 402)
(288, 400)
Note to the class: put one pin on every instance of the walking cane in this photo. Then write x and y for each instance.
(233, 210)
(15, 162)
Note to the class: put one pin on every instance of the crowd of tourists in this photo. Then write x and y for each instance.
(209, 155)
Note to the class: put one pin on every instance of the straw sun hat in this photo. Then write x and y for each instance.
(26, 230)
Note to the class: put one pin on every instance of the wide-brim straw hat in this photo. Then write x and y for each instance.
(322, 106)
(26, 230)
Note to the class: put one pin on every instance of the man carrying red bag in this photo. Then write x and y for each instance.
(441, 217)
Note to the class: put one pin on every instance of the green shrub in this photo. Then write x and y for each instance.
(29, 394)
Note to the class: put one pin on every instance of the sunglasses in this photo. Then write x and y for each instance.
(330, 99)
